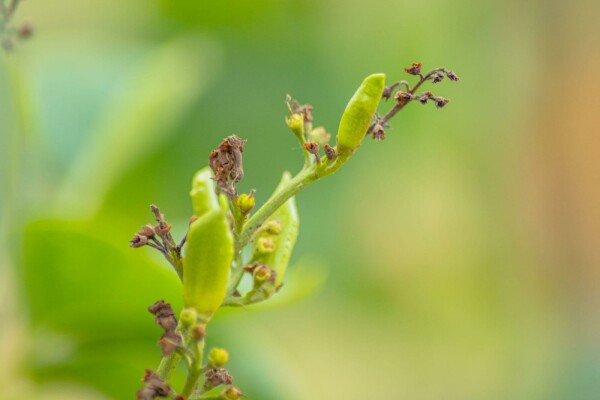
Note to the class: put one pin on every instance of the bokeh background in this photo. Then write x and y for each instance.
(457, 259)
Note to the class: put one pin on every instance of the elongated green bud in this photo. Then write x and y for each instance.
(283, 239)
(359, 113)
(204, 197)
(207, 260)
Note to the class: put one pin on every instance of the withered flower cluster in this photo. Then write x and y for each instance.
(159, 237)
(312, 139)
(154, 387)
(227, 165)
(216, 377)
(303, 109)
(165, 318)
(405, 94)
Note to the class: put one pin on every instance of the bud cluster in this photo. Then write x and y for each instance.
(300, 123)
(154, 387)
(216, 377)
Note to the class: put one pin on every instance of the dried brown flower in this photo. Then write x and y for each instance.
(218, 376)
(313, 148)
(452, 76)
(165, 316)
(437, 77)
(227, 165)
(377, 132)
(440, 102)
(424, 97)
(154, 388)
(330, 152)
(138, 241)
(387, 92)
(404, 97)
(414, 69)
(169, 342)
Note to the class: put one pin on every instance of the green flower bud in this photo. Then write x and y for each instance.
(188, 317)
(209, 253)
(232, 393)
(359, 113)
(217, 357)
(204, 197)
(264, 245)
(261, 274)
(272, 227)
(246, 202)
(296, 124)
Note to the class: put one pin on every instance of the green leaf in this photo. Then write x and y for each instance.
(286, 217)
(79, 283)
(304, 279)
(160, 92)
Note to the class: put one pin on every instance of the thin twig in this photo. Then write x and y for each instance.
(399, 106)
(183, 240)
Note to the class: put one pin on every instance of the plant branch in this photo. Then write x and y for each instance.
(426, 78)
(305, 177)
(195, 369)
(237, 273)
(167, 365)
(399, 106)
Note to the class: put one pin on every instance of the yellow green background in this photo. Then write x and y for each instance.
(457, 259)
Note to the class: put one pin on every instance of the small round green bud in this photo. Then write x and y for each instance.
(265, 245)
(246, 202)
(273, 227)
(233, 393)
(188, 317)
(296, 124)
(261, 273)
(217, 357)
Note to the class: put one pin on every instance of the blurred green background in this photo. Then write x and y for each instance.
(457, 259)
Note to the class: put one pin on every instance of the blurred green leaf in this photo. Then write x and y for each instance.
(114, 368)
(78, 283)
(225, 13)
(160, 91)
(303, 280)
